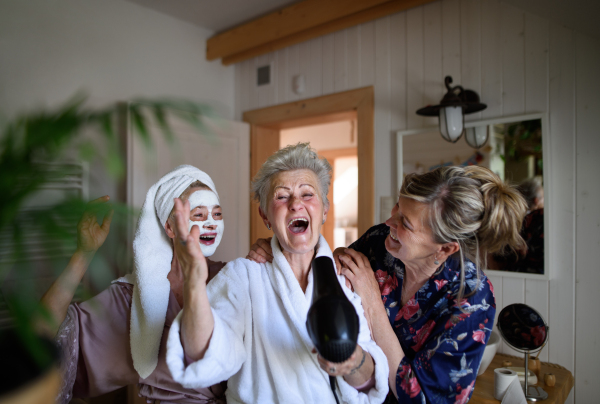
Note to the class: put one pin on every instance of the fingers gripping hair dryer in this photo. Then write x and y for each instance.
(332, 322)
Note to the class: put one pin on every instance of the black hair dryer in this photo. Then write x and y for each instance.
(332, 322)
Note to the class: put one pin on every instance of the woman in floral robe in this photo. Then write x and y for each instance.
(442, 344)
(430, 308)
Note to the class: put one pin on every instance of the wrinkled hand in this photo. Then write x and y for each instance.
(90, 234)
(338, 265)
(187, 246)
(261, 251)
(336, 257)
(350, 366)
(356, 267)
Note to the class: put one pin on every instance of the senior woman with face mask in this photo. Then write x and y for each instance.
(430, 307)
(253, 332)
(118, 337)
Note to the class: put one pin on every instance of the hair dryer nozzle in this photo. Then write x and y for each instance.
(332, 322)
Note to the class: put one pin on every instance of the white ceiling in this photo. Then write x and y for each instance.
(220, 15)
(215, 15)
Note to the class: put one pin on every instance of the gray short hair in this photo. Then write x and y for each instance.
(294, 157)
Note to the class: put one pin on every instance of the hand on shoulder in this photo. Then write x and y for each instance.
(261, 251)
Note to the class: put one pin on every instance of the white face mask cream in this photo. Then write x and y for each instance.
(211, 230)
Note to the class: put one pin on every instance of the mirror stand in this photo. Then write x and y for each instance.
(524, 330)
(532, 393)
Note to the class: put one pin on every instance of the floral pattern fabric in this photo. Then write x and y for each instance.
(443, 339)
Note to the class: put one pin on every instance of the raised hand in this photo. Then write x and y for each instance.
(197, 322)
(187, 246)
(91, 234)
(261, 251)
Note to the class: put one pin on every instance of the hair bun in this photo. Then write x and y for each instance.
(504, 211)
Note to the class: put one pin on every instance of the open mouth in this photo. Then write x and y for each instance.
(393, 238)
(298, 225)
(208, 238)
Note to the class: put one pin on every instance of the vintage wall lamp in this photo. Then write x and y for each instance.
(451, 111)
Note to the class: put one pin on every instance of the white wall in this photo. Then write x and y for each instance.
(112, 49)
(518, 63)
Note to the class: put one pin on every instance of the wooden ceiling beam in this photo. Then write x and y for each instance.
(365, 15)
(279, 24)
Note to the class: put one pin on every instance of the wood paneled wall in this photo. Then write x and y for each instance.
(519, 63)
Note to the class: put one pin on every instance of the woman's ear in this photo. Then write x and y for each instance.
(264, 218)
(325, 211)
(169, 228)
(447, 250)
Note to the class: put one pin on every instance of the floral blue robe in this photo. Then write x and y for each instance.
(443, 345)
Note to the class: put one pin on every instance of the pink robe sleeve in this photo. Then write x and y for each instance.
(97, 357)
(66, 339)
(95, 343)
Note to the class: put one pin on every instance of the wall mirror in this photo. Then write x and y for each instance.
(517, 149)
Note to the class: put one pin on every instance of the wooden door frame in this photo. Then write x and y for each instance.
(359, 102)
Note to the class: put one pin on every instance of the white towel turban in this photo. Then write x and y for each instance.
(152, 254)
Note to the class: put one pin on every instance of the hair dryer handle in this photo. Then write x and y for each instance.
(325, 280)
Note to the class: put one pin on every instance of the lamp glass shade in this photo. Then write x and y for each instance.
(477, 136)
(451, 123)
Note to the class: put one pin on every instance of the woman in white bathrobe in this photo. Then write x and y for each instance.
(253, 332)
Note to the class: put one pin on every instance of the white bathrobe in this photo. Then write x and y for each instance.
(260, 342)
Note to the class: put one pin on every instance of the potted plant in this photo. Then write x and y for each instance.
(33, 147)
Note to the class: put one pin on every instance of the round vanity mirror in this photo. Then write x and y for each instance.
(524, 330)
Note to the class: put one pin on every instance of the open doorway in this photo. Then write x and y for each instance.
(340, 127)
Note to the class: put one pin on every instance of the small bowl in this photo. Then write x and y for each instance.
(489, 352)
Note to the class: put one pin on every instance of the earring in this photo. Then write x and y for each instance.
(436, 262)
(268, 226)
(323, 221)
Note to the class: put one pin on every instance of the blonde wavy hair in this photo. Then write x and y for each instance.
(471, 206)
